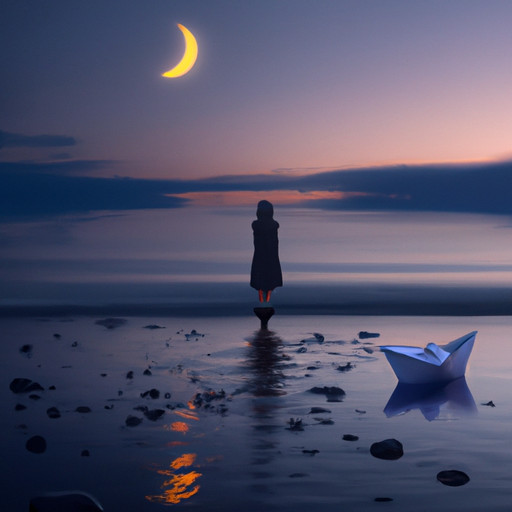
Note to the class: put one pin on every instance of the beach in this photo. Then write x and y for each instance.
(211, 413)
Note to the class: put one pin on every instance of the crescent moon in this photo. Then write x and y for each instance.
(189, 57)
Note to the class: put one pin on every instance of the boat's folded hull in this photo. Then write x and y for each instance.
(414, 371)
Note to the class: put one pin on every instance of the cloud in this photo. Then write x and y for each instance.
(16, 140)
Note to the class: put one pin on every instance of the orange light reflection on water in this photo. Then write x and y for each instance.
(178, 488)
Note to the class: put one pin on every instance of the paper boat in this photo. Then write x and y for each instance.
(434, 363)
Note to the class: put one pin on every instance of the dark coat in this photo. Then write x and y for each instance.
(266, 269)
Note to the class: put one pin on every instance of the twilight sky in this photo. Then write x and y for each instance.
(309, 85)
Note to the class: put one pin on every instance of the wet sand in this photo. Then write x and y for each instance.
(213, 414)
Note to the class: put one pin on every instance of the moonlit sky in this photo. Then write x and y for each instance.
(371, 113)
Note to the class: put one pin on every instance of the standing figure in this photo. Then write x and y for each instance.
(266, 269)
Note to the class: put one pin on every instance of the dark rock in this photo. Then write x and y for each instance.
(350, 437)
(65, 501)
(85, 453)
(21, 385)
(52, 388)
(109, 407)
(36, 444)
(383, 499)
(27, 350)
(490, 404)
(332, 393)
(319, 410)
(111, 323)
(34, 397)
(295, 424)
(365, 335)
(359, 411)
(133, 421)
(345, 367)
(147, 371)
(83, 409)
(167, 396)
(310, 452)
(53, 413)
(57, 336)
(453, 478)
(152, 393)
(119, 392)
(302, 350)
(153, 326)
(103, 374)
(298, 475)
(322, 421)
(154, 414)
(389, 449)
(74, 344)
(368, 350)
(129, 375)
(20, 407)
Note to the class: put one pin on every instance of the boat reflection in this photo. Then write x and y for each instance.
(430, 398)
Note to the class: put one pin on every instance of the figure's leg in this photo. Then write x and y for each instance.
(269, 292)
(260, 295)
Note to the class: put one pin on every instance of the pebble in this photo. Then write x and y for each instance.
(365, 335)
(333, 394)
(345, 367)
(27, 350)
(490, 404)
(152, 393)
(53, 413)
(36, 444)
(383, 499)
(83, 409)
(389, 449)
(129, 375)
(111, 323)
(133, 421)
(350, 437)
(147, 371)
(20, 407)
(22, 385)
(318, 410)
(453, 478)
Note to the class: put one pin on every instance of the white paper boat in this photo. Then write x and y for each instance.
(434, 363)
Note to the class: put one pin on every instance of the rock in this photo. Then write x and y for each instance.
(74, 344)
(368, 350)
(152, 393)
(133, 421)
(109, 407)
(69, 501)
(359, 411)
(53, 413)
(350, 437)
(298, 475)
(21, 385)
(453, 478)
(153, 326)
(302, 350)
(322, 421)
(20, 407)
(129, 375)
(154, 414)
(103, 374)
(167, 396)
(332, 393)
(36, 444)
(490, 404)
(311, 452)
(83, 409)
(85, 453)
(365, 335)
(111, 323)
(389, 449)
(383, 499)
(147, 371)
(295, 424)
(26, 350)
(319, 410)
(52, 388)
(345, 367)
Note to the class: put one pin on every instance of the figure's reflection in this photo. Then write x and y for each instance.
(429, 398)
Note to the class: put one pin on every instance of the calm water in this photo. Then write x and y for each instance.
(238, 451)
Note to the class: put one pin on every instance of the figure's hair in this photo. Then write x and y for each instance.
(265, 210)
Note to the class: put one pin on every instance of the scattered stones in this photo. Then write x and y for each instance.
(490, 404)
(332, 393)
(36, 444)
(345, 367)
(350, 437)
(383, 499)
(26, 350)
(319, 410)
(111, 323)
(133, 421)
(68, 500)
(317, 338)
(52, 388)
(153, 327)
(129, 375)
(21, 385)
(453, 478)
(109, 407)
(389, 449)
(53, 413)
(83, 409)
(20, 407)
(365, 335)
(152, 393)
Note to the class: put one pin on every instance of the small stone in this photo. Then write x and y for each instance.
(129, 375)
(319, 410)
(332, 393)
(350, 437)
(74, 344)
(453, 478)
(53, 413)
(20, 407)
(83, 409)
(57, 336)
(383, 499)
(360, 411)
(368, 350)
(345, 367)
(322, 421)
(298, 475)
(302, 350)
(154, 414)
(365, 335)
(85, 453)
(34, 397)
(147, 371)
(152, 393)
(27, 350)
(21, 385)
(133, 421)
(389, 449)
(167, 396)
(36, 444)
(52, 388)
(103, 374)
(153, 326)
(310, 452)
(109, 407)
(111, 323)
(490, 404)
